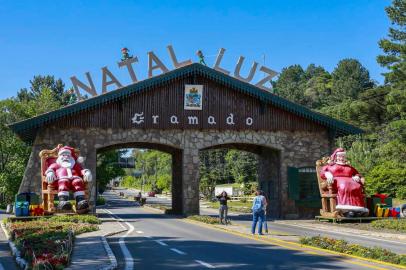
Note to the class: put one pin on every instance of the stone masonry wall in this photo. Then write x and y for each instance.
(295, 149)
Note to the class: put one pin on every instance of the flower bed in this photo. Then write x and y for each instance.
(47, 243)
(343, 246)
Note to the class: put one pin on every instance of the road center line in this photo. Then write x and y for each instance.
(161, 243)
(205, 264)
(139, 232)
(178, 251)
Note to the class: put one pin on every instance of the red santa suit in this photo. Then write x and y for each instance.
(68, 178)
(349, 191)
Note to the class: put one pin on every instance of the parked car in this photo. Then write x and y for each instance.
(151, 194)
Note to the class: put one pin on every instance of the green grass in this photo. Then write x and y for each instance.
(234, 206)
(398, 202)
(398, 225)
(343, 246)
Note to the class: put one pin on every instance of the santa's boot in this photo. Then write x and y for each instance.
(64, 203)
(81, 203)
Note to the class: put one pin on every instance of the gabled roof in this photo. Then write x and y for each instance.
(27, 129)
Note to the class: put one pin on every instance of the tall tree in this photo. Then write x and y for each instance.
(108, 168)
(289, 84)
(394, 48)
(349, 80)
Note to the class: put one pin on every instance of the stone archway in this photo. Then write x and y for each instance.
(153, 112)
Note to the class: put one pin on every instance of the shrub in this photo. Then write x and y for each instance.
(76, 219)
(100, 200)
(206, 219)
(392, 224)
(343, 246)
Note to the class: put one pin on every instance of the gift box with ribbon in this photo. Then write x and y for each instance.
(384, 211)
(22, 209)
(36, 210)
(382, 199)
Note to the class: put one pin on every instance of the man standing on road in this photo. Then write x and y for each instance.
(258, 212)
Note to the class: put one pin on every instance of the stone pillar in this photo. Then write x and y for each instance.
(90, 155)
(269, 180)
(190, 185)
(177, 193)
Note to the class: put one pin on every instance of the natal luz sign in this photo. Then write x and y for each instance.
(154, 63)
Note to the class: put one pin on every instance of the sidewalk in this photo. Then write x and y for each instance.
(99, 256)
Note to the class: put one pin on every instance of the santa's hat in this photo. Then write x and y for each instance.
(124, 49)
(336, 152)
(70, 151)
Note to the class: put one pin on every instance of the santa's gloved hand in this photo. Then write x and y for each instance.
(87, 175)
(50, 176)
(356, 178)
(330, 178)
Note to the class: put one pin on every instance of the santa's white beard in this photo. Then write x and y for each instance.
(66, 163)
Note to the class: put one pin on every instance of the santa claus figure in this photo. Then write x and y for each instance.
(68, 173)
(347, 183)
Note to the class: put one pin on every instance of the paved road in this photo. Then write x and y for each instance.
(6, 260)
(245, 220)
(157, 241)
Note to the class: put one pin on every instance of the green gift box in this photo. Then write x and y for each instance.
(372, 202)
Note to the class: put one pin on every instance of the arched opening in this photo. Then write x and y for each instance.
(239, 165)
(155, 168)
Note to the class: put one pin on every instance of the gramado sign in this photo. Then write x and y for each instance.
(154, 63)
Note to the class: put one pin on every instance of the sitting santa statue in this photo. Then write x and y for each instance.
(69, 175)
(347, 183)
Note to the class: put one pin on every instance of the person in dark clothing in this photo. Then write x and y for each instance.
(223, 210)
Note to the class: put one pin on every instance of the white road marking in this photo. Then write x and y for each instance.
(139, 232)
(178, 251)
(1, 267)
(129, 261)
(205, 264)
(161, 243)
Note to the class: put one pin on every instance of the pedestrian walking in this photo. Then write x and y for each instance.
(258, 212)
(223, 210)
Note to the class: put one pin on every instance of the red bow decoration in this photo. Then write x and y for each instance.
(381, 196)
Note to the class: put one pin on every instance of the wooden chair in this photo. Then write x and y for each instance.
(49, 191)
(328, 195)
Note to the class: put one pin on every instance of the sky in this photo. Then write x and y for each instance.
(69, 38)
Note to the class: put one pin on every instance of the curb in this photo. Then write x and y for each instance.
(110, 254)
(14, 251)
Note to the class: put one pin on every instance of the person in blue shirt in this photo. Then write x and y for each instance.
(258, 212)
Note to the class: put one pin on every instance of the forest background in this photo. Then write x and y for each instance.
(347, 93)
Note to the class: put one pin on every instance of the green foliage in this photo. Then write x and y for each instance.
(76, 219)
(349, 79)
(343, 246)
(391, 224)
(242, 165)
(389, 178)
(155, 168)
(205, 219)
(45, 94)
(100, 200)
(107, 167)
